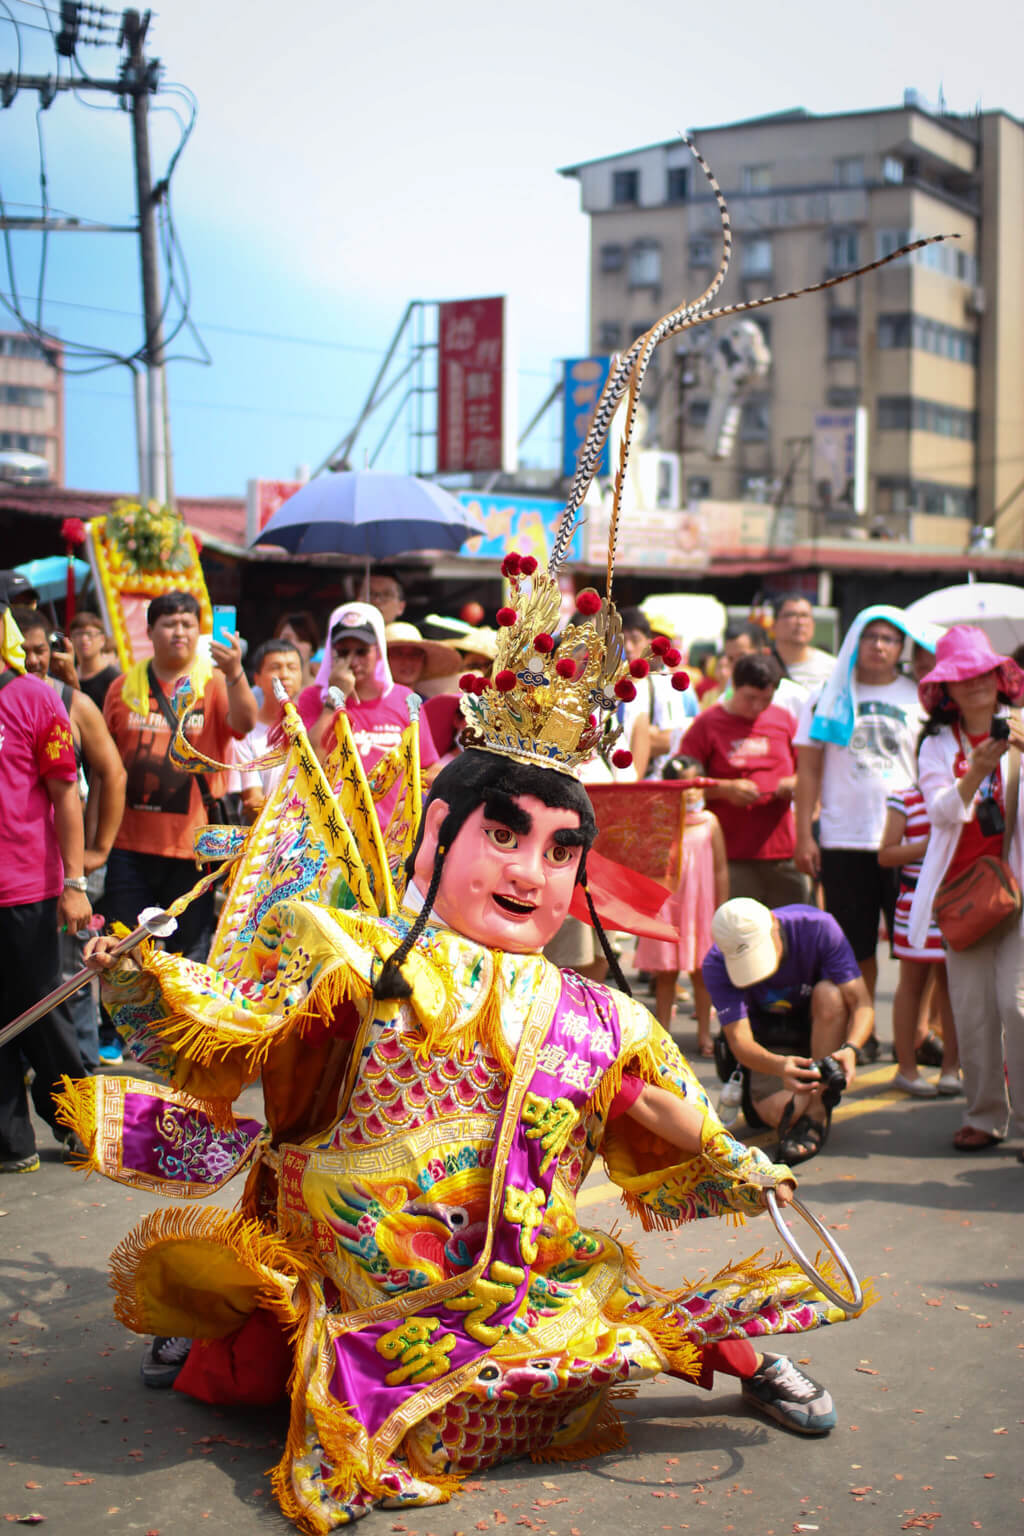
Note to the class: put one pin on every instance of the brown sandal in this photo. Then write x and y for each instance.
(969, 1139)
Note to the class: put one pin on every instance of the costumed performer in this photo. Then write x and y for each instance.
(407, 1260)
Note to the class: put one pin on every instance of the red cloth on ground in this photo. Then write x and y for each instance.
(249, 1367)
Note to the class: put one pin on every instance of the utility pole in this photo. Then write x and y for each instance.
(140, 78)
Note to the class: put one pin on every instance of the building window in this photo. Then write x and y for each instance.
(905, 413)
(849, 171)
(645, 264)
(756, 178)
(840, 399)
(677, 183)
(756, 420)
(22, 394)
(21, 346)
(756, 258)
(625, 188)
(924, 496)
(842, 333)
(927, 335)
(892, 170)
(702, 251)
(23, 442)
(609, 336)
(843, 249)
(697, 412)
(894, 331)
(612, 258)
(698, 487)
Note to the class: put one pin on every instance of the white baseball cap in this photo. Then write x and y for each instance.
(744, 931)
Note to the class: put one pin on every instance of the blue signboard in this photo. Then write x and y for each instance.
(524, 523)
(585, 377)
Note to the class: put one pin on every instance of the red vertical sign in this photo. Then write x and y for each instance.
(470, 395)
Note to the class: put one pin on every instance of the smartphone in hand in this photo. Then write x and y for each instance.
(225, 620)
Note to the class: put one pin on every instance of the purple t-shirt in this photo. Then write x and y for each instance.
(815, 949)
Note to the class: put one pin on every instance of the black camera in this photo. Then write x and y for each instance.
(990, 819)
(833, 1081)
(999, 728)
(58, 642)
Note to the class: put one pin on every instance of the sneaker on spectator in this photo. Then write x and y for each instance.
(782, 1391)
(72, 1143)
(110, 1055)
(163, 1360)
(28, 1164)
(949, 1085)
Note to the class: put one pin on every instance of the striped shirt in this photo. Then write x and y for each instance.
(910, 804)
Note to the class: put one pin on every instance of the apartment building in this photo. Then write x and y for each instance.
(932, 346)
(31, 402)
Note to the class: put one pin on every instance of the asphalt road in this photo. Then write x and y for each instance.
(928, 1384)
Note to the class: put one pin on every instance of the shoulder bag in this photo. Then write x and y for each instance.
(986, 895)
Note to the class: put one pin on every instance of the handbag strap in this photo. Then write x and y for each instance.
(1010, 796)
(167, 711)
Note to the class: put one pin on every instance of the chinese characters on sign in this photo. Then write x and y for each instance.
(585, 377)
(471, 424)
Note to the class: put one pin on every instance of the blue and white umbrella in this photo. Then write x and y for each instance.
(370, 515)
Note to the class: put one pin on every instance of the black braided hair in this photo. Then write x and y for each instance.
(474, 778)
(609, 953)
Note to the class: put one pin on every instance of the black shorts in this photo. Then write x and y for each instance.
(787, 1034)
(857, 892)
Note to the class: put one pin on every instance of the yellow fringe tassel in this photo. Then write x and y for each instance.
(608, 1433)
(75, 1107)
(273, 1262)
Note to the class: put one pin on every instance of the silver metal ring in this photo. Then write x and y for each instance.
(849, 1304)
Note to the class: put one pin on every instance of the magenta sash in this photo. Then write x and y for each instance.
(379, 1367)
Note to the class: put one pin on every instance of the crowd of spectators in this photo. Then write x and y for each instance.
(810, 835)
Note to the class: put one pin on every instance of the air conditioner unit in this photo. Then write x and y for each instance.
(976, 301)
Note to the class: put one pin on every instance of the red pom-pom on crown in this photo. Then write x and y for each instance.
(527, 565)
(660, 644)
(565, 666)
(72, 531)
(639, 668)
(505, 617)
(505, 680)
(680, 681)
(544, 644)
(624, 689)
(512, 564)
(621, 758)
(672, 657)
(588, 602)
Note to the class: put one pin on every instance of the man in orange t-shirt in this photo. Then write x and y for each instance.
(152, 861)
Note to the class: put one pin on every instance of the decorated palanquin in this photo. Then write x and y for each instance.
(408, 1222)
(137, 552)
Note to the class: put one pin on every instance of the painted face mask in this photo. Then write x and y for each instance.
(508, 887)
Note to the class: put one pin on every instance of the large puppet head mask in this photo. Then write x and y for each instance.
(501, 846)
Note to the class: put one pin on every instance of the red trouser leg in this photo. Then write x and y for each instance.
(733, 1357)
(250, 1366)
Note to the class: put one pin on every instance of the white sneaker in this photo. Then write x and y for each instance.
(917, 1087)
(949, 1085)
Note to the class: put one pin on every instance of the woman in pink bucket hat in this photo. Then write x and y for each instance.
(963, 772)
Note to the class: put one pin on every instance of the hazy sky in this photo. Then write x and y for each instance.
(348, 159)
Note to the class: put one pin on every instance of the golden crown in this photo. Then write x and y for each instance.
(552, 697)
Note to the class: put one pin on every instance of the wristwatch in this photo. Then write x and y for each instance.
(76, 883)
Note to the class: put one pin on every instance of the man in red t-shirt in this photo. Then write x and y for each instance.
(152, 861)
(745, 742)
(42, 889)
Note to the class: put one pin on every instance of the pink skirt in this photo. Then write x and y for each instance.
(689, 908)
